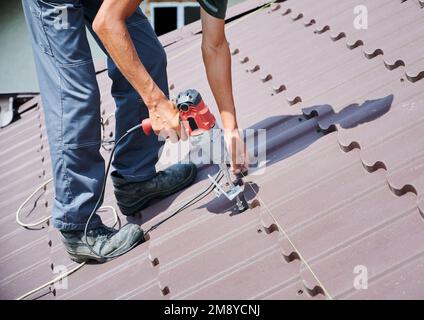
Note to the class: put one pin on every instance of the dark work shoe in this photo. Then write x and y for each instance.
(103, 240)
(134, 196)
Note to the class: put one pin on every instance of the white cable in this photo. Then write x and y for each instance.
(58, 278)
(43, 220)
(115, 214)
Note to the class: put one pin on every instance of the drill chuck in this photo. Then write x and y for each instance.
(194, 113)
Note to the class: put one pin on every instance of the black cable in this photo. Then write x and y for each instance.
(99, 201)
(186, 205)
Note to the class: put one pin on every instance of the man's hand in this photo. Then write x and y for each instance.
(110, 26)
(165, 120)
(237, 149)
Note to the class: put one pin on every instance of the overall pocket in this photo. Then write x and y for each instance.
(39, 33)
(64, 28)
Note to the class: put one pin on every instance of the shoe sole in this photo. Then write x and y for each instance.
(144, 202)
(85, 258)
(80, 258)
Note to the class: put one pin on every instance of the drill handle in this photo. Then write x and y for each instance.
(146, 126)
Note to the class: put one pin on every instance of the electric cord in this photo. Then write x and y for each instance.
(189, 203)
(41, 221)
(43, 185)
(100, 199)
(53, 281)
(18, 212)
(186, 205)
(47, 218)
(97, 207)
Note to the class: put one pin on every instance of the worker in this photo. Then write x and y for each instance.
(71, 102)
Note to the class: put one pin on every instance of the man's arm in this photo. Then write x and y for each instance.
(110, 26)
(217, 60)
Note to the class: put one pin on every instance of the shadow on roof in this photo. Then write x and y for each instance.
(286, 135)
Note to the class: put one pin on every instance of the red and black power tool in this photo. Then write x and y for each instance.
(194, 114)
(197, 119)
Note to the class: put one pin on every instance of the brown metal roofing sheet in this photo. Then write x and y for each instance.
(392, 283)
(24, 262)
(382, 251)
(325, 206)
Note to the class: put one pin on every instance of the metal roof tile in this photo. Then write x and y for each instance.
(326, 206)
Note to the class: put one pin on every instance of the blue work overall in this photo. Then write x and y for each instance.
(71, 103)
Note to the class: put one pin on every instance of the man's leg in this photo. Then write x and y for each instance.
(71, 101)
(137, 156)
